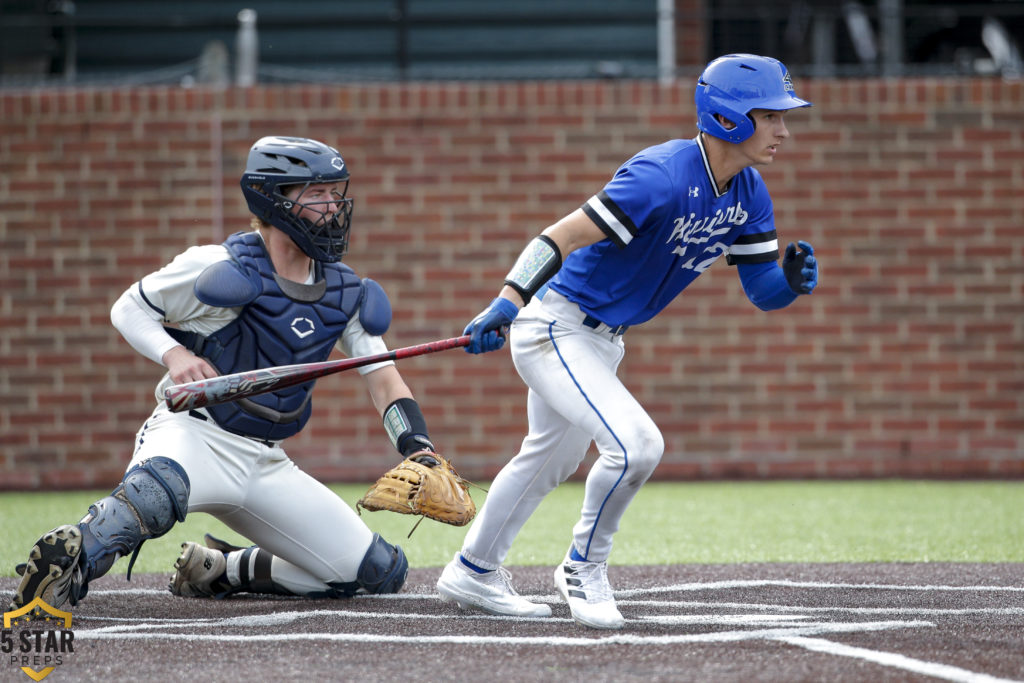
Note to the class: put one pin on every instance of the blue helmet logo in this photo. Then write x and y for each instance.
(733, 85)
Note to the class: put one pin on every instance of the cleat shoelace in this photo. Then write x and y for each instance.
(592, 580)
(502, 578)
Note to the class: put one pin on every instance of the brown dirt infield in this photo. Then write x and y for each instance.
(747, 622)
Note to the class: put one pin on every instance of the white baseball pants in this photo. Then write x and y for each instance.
(259, 492)
(574, 398)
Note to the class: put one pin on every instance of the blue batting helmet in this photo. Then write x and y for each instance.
(734, 85)
(276, 163)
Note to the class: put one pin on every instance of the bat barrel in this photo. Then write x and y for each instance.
(215, 390)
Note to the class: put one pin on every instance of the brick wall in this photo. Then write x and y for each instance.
(908, 359)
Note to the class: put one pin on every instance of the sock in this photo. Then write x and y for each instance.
(249, 571)
(467, 563)
(575, 556)
(233, 572)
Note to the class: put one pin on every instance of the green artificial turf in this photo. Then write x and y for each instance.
(668, 523)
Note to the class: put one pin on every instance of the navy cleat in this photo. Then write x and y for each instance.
(53, 571)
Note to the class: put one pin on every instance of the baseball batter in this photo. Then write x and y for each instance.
(276, 295)
(665, 217)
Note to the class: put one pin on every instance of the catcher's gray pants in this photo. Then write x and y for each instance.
(574, 398)
(259, 492)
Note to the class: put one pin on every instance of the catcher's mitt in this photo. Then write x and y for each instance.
(412, 488)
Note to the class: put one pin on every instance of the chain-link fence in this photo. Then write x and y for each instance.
(121, 42)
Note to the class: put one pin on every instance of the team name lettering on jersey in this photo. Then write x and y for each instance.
(686, 229)
(689, 231)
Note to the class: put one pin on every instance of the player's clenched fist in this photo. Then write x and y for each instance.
(488, 330)
(184, 366)
(801, 268)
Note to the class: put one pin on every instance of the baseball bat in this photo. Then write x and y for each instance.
(208, 392)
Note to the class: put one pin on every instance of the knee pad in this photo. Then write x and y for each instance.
(158, 490)
(384, 567)
(152, 496)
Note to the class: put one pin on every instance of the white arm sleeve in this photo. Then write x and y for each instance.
(356, 341)
(146, 335)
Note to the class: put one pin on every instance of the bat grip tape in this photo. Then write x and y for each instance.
(406, 426)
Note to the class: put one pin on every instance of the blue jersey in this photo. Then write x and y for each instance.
(666, 222)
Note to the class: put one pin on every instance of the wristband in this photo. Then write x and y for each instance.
(406, 426)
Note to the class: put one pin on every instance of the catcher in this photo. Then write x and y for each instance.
(307, 541)
(275, 294)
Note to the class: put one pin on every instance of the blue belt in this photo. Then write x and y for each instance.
(593, 323)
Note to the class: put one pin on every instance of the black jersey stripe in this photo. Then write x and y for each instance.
(625, 220)
(758, 247)
(150, 303)
(598, 213)
(599, 222)
(614, 223)
(762, 257)
(757, 238)
(707, 167)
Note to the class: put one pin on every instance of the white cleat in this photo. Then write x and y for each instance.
(491, 592)
(196, 572)
(584, 585)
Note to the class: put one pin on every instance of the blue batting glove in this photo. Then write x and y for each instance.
(488, 330)
(801, 269)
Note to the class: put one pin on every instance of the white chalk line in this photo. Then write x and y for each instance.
(777, 629)
(282, 618)
(695, 604)
(890, 659)
(772, 627)
(919, 611)
(617, 639)
(129, 625)
(675, 588)
(761, 583)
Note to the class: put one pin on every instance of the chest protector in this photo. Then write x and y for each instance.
(281, 323)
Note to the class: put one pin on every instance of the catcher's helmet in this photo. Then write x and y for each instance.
(274, 164)
(733, 85)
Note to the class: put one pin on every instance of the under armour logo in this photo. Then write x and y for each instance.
(694, 191)
(302, 327)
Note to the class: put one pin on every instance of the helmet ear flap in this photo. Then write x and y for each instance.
(711, 104)
(734, 85)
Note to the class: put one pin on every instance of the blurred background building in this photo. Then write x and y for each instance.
(471, 124)
(125, 42)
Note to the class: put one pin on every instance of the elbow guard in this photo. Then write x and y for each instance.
(538, 263)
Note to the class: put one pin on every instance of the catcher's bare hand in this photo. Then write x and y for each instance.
(184, 366)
